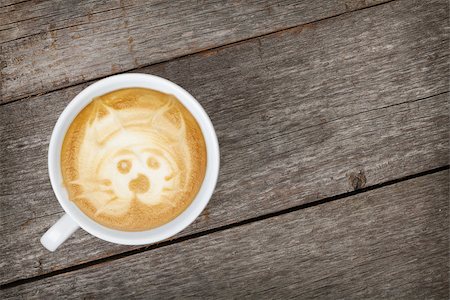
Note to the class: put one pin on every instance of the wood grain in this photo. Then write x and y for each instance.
(48, 45)
(391, 242)
(303, 121)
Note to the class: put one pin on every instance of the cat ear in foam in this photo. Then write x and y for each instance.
(105, 122)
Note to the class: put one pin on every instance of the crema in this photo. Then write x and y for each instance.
(133, 159)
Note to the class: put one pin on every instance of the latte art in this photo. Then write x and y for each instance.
(133, 159)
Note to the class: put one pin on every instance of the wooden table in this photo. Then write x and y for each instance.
(333, 123)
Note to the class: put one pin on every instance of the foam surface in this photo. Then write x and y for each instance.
(133, 159)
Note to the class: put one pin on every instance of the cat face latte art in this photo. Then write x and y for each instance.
(133, 159)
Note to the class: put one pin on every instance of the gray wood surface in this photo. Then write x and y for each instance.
(301, 115)
(391, 242)
(54, 44)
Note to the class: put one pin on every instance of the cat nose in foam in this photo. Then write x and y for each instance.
(139, 185)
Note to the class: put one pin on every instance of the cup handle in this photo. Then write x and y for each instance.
(59, 232)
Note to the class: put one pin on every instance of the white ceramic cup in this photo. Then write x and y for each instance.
(74, 218)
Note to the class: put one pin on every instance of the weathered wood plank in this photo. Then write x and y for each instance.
(391, 242)
(296, 126)
(53, 44)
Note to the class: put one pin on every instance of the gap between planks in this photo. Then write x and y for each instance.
(220, 228)
(201, 51)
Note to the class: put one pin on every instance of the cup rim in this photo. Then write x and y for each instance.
(197, 205)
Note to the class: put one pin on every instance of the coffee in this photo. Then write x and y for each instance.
(133, 159)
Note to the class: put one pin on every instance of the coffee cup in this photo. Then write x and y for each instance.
(74, 218)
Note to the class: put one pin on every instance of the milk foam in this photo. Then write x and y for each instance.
(133, 147)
